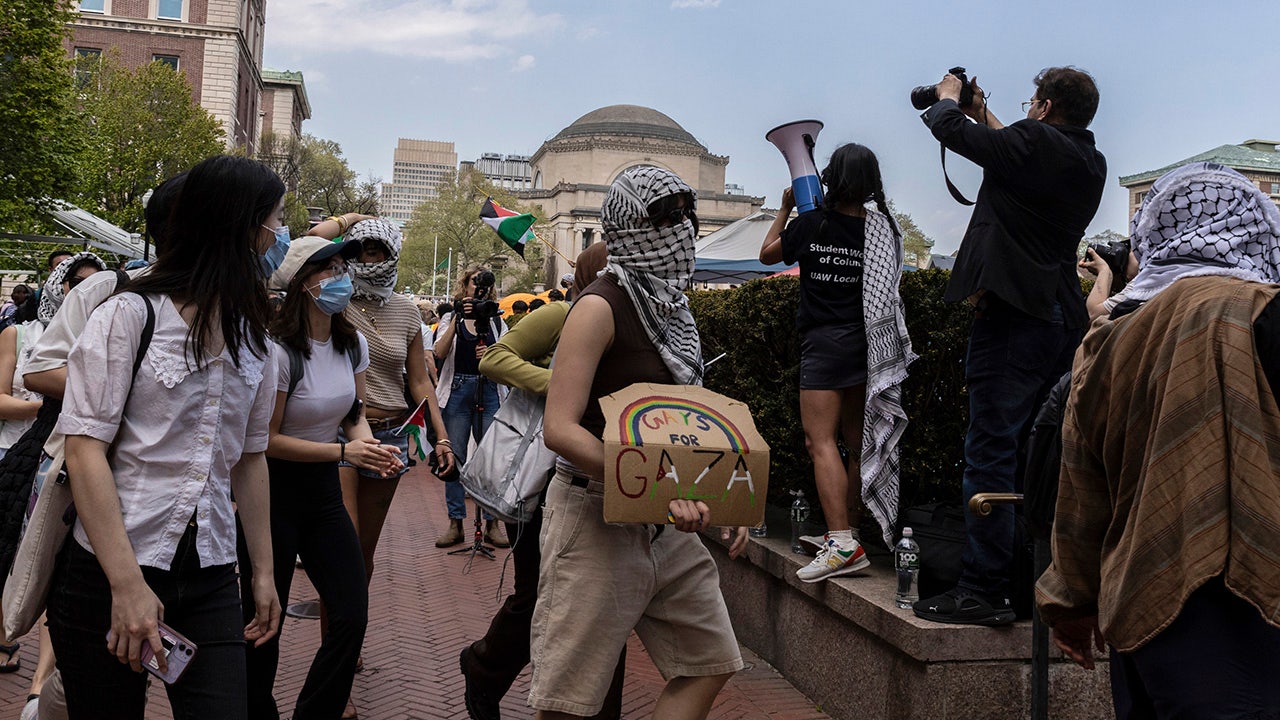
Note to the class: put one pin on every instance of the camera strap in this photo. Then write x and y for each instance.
(955, 192)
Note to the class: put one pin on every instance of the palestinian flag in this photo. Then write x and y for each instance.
(512, 227)
(416, 426)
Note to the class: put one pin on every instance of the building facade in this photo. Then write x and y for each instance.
(510, 172)
(217, 44)
(419, 166)
(1258, 160)
(284, 103)
(573, 171)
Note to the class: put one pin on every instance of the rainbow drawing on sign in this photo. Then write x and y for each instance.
(660, 411)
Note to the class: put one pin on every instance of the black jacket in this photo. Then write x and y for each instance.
(1041, 187)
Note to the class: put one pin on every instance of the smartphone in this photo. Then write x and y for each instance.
(178, 654)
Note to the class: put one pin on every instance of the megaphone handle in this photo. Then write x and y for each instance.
(955, 192)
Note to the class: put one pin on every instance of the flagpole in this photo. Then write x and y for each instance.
(553, 248)
(435, 264)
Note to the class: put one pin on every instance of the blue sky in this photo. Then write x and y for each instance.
(1176, 77)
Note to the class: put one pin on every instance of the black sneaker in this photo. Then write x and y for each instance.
(965, 607)
(481, 705)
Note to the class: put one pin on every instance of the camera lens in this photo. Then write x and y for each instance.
(923, 97)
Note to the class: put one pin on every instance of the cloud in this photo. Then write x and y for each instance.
(449, 30)
(524, 62)
(694, 4)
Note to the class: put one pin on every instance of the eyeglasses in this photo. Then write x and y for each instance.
(1026, 106)
(338, 270)
(676, 215)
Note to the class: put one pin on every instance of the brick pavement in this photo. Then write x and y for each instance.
(424, 607)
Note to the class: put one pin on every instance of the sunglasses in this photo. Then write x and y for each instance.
(676, 215)
(76, 280)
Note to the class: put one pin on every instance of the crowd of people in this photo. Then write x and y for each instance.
(213, 439)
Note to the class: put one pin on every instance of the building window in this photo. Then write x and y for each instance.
(97, 6)
(1275, 188)
(169, 9)
(86, 63)
(170, 60)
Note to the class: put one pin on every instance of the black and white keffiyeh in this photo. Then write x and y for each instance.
(888, 354)
(51, 296)
(376, 281)
(1203, 219)
(655, 265)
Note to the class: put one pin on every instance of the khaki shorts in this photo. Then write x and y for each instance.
(599, 582)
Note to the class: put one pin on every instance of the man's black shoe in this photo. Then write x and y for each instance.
(964, 607)
(481, 705)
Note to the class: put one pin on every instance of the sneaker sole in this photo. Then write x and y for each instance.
(862, 564)
(1000, 618)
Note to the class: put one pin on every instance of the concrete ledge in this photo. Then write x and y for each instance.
(845, 644)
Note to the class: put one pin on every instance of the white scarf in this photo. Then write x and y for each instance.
(51, 296)
(1203, 219)
(376, 281)
(655, 266)
(888, 354)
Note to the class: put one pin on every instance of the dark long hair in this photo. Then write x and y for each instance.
(211, 255)
(291, 325)
(853, 177)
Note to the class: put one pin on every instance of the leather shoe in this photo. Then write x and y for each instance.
(480, 705)
(452, 536)
(496, 535)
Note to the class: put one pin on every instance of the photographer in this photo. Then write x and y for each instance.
(467, 400)
(1104, 263)
(1042, 183)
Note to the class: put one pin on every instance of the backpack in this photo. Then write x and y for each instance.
(1044, 461)
(298, 366)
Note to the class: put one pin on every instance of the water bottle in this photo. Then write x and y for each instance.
(759, 530)
(799, 516)
(906, 559)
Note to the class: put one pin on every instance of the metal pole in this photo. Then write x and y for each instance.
(435, 264)
(1040, 642)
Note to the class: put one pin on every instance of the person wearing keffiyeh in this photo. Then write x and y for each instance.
(65, 276)
(601, 581)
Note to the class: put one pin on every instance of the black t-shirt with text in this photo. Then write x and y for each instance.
(830, 257)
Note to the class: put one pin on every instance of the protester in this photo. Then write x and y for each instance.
(391, 325)
(186, 428)
(1042, 183)
(467, 400)
(490, 665)
(46, 374)
(19, 295)
(567, 285)
(854, 350)
(320, 361)
(18, 405)
(536, 303)
(519, 309)
(1107, 290)
(601, 581)
(1163, 542)
(555, 296)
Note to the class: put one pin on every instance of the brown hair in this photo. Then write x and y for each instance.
(1073, 94)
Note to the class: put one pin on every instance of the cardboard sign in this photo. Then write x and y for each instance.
(663, 442)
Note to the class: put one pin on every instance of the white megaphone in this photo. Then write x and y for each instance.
(796, 141)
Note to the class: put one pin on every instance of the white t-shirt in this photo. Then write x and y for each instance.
(324, 395)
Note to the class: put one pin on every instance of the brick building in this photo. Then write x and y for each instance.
(284, 103)
(217, 44)
(418, 167)
(1257, 160)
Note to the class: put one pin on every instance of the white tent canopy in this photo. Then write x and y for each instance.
(97, 232)
(732, 253)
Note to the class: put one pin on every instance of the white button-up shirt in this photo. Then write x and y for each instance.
(176, 435)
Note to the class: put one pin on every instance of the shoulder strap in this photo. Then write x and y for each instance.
(353, 354)
(148, 329)
(955, 191)
(296, 368)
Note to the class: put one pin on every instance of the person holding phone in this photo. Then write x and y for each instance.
(320, 363)
(155, 452)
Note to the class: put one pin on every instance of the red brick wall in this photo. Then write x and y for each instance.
(136, 49)
(129, 8)
(198, 11)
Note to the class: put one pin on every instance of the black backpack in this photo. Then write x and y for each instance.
(1044, 461)
(297, 368)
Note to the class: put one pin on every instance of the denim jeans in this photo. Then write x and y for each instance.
(463, 421)
(201, 603)
(388, 436)
(308, 520)
(1013, 361)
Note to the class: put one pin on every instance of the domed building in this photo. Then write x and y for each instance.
(573, 170)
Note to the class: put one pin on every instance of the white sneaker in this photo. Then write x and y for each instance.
(833, 560)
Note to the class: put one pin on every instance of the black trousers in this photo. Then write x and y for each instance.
(504, 650)
(201, 603)
(309, 521)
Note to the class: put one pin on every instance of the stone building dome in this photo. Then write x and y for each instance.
(628, 120)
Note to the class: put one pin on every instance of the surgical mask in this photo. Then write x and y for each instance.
(334, 294)
(270, 261)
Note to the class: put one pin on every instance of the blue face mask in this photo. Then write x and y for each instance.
(334, 295)
(270, 261)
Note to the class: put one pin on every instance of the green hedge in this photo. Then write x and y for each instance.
(755, 325)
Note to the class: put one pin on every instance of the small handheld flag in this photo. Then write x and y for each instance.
(512, 227)
(416, 426)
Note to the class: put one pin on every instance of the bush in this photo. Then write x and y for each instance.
(755, 326)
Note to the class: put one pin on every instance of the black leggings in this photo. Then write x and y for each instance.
(309, 521)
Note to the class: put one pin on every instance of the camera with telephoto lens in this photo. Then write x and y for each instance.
(924, 97)
(1116, 256)
(480, 307)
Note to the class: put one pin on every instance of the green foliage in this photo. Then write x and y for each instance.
(141, 127)
(755, 325)
(451, 221)
(316, 175)
(916, 245)
(41, 140)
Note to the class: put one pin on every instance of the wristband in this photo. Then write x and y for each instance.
(342, 451)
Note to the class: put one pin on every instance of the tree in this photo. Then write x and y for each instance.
(141, 126)
(916, 244)
(452, 219)
(41, 137)
(317, 175)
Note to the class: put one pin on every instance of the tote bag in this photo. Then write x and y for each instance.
(50, 516)
(511, 466)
